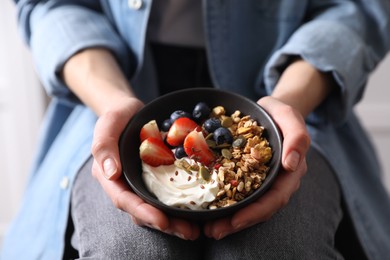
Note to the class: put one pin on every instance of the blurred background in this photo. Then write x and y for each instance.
(22, 104)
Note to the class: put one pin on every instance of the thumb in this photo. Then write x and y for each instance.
(108, 130)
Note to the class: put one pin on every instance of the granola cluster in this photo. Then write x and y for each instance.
(242, 166)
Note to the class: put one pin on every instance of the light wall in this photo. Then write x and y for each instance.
(374, 112)
(21, 108)
(22, 105)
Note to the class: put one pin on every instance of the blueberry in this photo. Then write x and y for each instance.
(222, 135)
(180, 152)
(179, 113)
(201, 111)
(211, 124)
(166, 124)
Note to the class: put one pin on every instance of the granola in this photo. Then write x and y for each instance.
(242, 167)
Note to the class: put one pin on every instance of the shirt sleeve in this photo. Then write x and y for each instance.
(55, 30)
(347, 39)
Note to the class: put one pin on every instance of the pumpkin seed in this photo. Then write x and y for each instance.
(226, 153)
(239, 142)
(204, 173)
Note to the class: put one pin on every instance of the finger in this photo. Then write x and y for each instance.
(106, 137)
(218, 229)
(124, 199)
(183, 229)
(272, 201)
(262, 209)
(296, 140)
(105, 144)
(177, 227)
(143, 214)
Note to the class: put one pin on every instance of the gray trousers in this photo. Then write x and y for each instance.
(305, 229)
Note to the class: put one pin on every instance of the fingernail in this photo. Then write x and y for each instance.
(222, 235)
(109, 168)
(292, 160)
(153, 226)
(239, 226)
(179, 235)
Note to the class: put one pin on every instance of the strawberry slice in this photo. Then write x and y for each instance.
(196, 148)
(154, 152)
(150, 129)
(179, 130)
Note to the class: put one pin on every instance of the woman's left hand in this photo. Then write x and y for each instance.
(295, 146)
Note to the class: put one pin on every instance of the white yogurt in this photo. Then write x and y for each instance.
(181, 190)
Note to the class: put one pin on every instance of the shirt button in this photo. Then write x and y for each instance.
(135, 4)
(64, 183)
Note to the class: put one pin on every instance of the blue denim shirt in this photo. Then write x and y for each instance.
(249, 43)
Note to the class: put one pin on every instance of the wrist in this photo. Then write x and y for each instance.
(96, 78)
(303, 87)
(126, 105)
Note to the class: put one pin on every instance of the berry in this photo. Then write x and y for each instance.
(179, 130)
(211, 124)
(180, 152)
(154, 152)
(196, 148)
(222, 135)
(166, 124)
(234, 183)
(150, 129)
(178, 114)
(201, 111)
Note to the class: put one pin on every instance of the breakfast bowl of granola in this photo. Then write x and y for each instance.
(200, 153)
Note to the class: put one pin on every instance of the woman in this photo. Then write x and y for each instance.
(305, 62)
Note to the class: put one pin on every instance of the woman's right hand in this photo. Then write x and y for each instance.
(107, 170)
(96, 78)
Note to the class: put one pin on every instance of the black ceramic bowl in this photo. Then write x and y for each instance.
(160, 109)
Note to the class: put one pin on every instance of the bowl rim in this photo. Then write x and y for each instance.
(183, 212)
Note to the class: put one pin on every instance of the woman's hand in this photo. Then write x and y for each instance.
(107, 170)
(295, 145)
(95, 77)
(299, 91)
